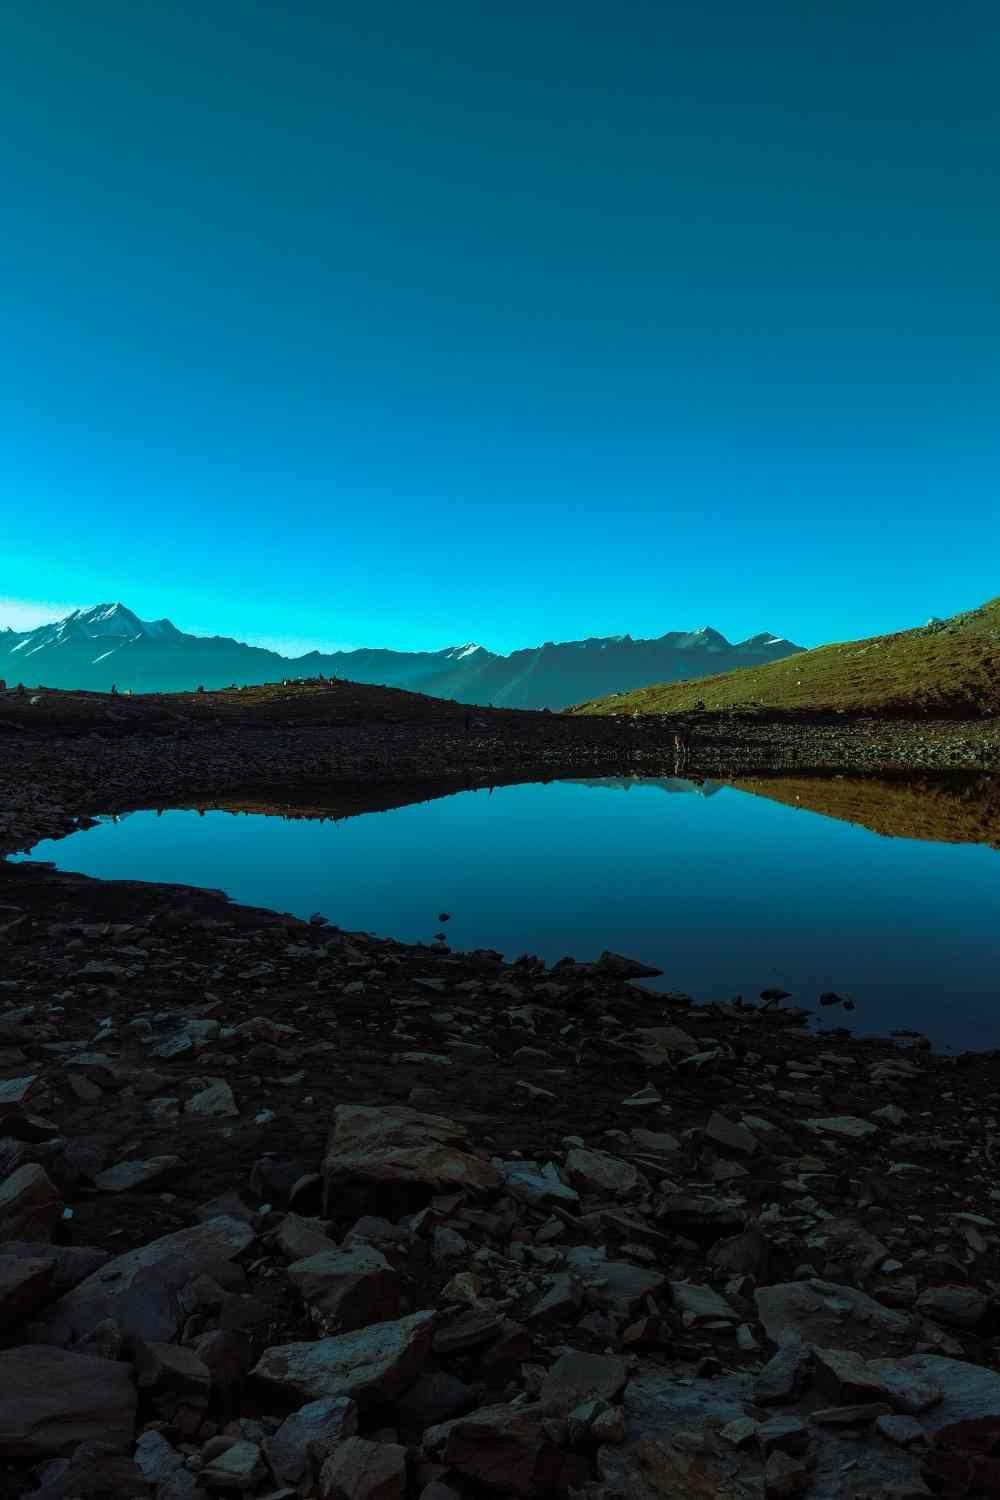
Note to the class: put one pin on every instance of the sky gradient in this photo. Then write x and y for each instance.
(406, 325)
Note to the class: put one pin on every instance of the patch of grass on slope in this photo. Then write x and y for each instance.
(948, 667)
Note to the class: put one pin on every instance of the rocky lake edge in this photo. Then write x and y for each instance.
(289, 1211)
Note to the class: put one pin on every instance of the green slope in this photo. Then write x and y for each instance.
(949, 667)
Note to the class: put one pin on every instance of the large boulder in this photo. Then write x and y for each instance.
(139, 1289)
(396, 1154)
(51, 1400)
(373, 1365)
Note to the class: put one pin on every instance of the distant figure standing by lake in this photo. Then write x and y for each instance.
(682, 744)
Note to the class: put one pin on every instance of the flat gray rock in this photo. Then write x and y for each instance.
(598, 1172)
(51, 1400)
(212, 1103)
(361, 1470)
(699, 1304)
(138, 1289)
(527, 1183)
(354, 1287)
(394, 1145)
(307, 1438)
(957, 1306)
(132, 1174)
(614, 1285)
(827, 1313)
(577, 1377)
(71, 1264)
(967, 1390)
(30, 1205)
(845, 1127)
(371, 1365)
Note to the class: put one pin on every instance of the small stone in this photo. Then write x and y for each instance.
(596, 1172)
(787, 1433)
(30, 1206)
(909, 1391)
(214, 1102)
(900, 1430)
(352, 1287)
(576, 1378)
(171, 1367)
(739, 1432)
(306, 1439)
(655, 1142)
(784, 1475)
(957, 1306)
(729, 1136)
(846, 1377)
(24, 1284)
(784, 1375)
(699, 1304)
(847, 1127)
(852, 1415)
(156, 1458)
(239, 1468)
(361, 1470)
(133, 1174)
(609, 1426)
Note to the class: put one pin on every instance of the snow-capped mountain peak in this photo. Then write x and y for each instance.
(459, 653)
(106, 619)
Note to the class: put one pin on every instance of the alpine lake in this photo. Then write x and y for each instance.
(886, 894)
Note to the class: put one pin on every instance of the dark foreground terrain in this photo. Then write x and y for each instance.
(288, 1211)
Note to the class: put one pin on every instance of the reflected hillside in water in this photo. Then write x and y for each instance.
(943, 810)
(947, 809)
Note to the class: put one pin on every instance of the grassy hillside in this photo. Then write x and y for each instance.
(950, 667)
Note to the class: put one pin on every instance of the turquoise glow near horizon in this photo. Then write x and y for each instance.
(728, 894)
(402, 326)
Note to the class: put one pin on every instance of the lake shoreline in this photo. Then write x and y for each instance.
(52, 774)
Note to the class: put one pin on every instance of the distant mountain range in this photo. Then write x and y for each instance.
(94, 648)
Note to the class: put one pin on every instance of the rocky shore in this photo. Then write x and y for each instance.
(287, 1211)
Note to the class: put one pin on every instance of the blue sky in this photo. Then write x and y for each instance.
(400, 324)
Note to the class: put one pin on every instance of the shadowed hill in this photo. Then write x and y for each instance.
(290, 704)
(948, 668)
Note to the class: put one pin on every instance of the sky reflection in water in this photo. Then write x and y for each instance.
(729, 893)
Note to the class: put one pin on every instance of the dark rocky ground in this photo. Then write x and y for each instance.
(288, 1211)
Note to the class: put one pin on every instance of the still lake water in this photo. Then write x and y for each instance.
(728, 893)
